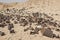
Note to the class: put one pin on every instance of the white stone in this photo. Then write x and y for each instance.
(39, 26)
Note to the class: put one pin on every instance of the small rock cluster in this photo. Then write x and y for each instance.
(20, 17)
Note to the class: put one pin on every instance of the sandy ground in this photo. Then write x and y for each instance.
(43, 6)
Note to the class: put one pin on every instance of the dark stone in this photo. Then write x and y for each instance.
(12, 19)
(2, 25)
(15, 22)
(35, 14)
(7, 9)
(48, 33)
(31, 20)
(54, 35)
(55, 24)
(26, 29)
(18, 17)
(51, 19)
(56, 14)
(58, 36)
(8, 18)
(58, 25)
(51, 23)
(33, 33)
(23, 22)
(0, 20)
(36, 30)
(10, 26)
(57, 29)
(29, 28)
(12, 31)
(40, 21)
(44, 25)
(7, 21)
(2, 33)
(47, 21)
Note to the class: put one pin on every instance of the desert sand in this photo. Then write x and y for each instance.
(48, 7)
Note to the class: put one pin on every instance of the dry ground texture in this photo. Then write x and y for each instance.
(31, 20)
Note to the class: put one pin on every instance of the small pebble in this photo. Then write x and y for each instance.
(2, 33)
